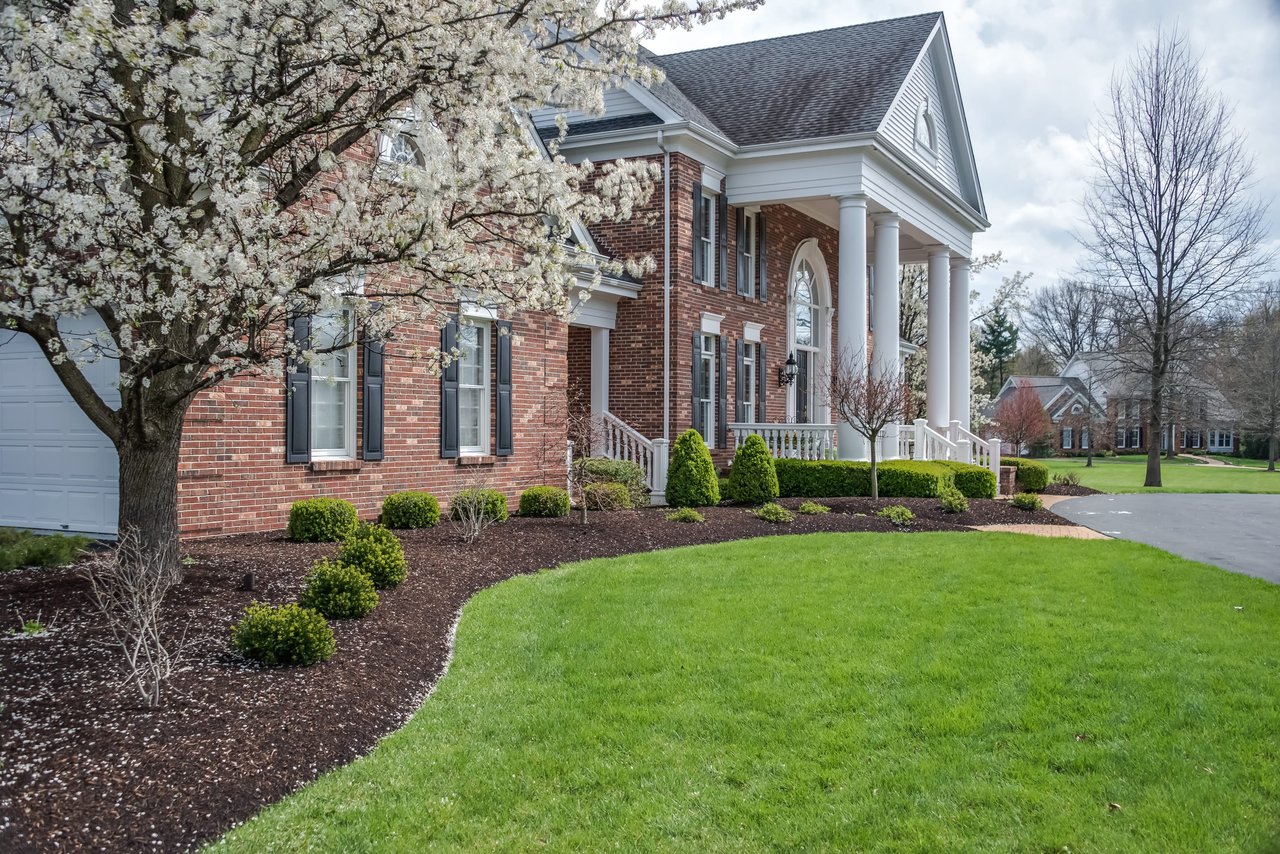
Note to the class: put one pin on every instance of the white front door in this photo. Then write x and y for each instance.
(58, 472)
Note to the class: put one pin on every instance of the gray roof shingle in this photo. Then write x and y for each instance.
(825, 83)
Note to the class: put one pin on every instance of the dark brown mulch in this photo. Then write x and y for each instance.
(83, 766)
(1069, 489)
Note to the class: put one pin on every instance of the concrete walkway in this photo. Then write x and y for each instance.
(1236, 532)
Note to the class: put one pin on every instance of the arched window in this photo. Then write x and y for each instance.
(926, 128)
(809, 333)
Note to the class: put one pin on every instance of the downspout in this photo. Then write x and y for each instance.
(666, 286)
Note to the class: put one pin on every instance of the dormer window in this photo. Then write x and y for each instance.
(926, 128)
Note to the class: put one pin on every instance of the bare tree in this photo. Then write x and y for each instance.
(1064, 319)
(1175, 230)
(1249, 372)
(868, 401)
(128, 586)
(1021, 419)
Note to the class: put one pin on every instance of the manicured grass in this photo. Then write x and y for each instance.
(1126, 473)
(923, 692)
(1239, 461)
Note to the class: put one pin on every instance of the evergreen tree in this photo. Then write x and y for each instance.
(999, 341)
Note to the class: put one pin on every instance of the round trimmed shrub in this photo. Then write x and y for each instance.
(607, 496)
(338, 591)
(897, 514)
(410, 509)
(283, 635)
(1027, 501)
(377, 553)
(752, 478)
(952, 500)
(603, 469)
(546, 502)
(687, 515)
(1032, 476)
(812, 508)
(774, 512)
(691, 477)
(493, 503)
(321, 520)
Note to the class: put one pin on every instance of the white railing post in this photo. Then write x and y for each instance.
(993, 459)
(658, 474)
(922, 440)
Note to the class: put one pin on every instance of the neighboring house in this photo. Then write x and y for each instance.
(798, 173)
(1076, 412)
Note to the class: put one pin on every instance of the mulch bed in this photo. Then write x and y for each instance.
(83, 766)
(1069, 489)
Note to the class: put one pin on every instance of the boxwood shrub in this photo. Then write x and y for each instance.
(752, 479)
(338, 591)
(607, 496)
(547, 502)
(849, 478)
(321, 520)
(410, 509)
(493, 504)
(605, 470)
(377, 553)
(1032, 476)
(691, 478)
(972, 481)
(284, 635)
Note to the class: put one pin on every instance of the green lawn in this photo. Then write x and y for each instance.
(923, 692)
(1126, 473)
(1239, 461)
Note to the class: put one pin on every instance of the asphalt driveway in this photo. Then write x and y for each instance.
(1236, 532)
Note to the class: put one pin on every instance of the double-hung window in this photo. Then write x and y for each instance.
(749, 383)
(747, 269)
(1121, 433)
(707, 388)
(333, 390)
(1135, 437)
(1068, 438)
(707, 239)
(1084, 438)
(473, 388)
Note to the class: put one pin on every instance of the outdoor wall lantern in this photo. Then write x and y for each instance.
(787, 373)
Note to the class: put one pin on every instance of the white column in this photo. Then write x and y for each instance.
(599, 371)
(960, 380)
(937, 383)
(851, 319)
(884, 355)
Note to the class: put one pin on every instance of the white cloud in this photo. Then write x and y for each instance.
(1033, 77)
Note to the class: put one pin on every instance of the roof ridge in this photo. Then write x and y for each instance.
(796, 35)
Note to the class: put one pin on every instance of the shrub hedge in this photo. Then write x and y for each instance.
(23, 548)
(410, 509)
(1032, 476)
(753, 479)
(377, 553)
(605, 470)
(284, 635)
(972, 481)
(321, 520)
(691, 478)
(848, 478)
(545, 502)
(338, 591)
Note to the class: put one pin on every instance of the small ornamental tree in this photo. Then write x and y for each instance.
(753, 479)
(196, 173)
(868, 401)
(1021, 419)
(691, 477)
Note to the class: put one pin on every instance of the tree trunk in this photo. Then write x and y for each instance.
(149, 492)
(1153, 431)
(1273, 451)
(875, 480)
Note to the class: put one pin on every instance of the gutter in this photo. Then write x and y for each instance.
(666, 286)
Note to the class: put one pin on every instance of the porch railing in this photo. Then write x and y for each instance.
(975, 449)
(620, 441)
(790, 441)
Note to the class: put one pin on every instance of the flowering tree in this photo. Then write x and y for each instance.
(195, 171)
(1021, 419)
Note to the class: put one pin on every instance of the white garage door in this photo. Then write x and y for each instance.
(58, 471)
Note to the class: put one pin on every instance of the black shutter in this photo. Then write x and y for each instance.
(449, 393)
(506, 440)
(722, 422)
(761, 372)
(698, 273)
(374, 390)
(297, 408)
(740, 388)
(696, 393)
(722, 232)
(762, 278)
(740, 271)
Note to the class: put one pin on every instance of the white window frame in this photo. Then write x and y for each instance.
(1122, 411)
(1084, 438)
(1068, 439)
(750, 382)
(1122, 436)
(1135, 437)
(710, 351)
(707, 240)
(348, 383)
(748, 266)
(485, 427)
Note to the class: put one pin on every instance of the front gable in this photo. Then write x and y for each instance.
(926, 123)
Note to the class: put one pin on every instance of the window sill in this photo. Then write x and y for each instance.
(477, 460)
(336, 465)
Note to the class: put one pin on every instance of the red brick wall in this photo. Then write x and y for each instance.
(233, 478)
(579, 365)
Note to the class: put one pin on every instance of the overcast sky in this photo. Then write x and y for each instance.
(1033, 76)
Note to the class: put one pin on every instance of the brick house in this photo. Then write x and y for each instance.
(798, 173)
(1077, 415)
